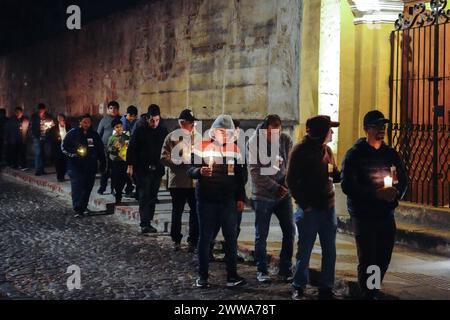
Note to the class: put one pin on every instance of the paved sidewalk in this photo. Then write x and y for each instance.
(412, 275)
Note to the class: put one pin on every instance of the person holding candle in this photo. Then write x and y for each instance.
(220, 192)
(243, 167)
(117, 152)
(41, 123)
(270, 195)
(176, 155)
(16, 132)
(374, 179)
(311, 173)
(57, 135)
(86, 152)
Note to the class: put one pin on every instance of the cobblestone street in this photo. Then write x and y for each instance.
(39, 240)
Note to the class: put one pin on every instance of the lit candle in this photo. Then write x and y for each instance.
(388, 182)
(81, 151)
(211, 162)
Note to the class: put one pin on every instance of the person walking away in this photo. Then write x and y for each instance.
(311, 173)
(374, 179)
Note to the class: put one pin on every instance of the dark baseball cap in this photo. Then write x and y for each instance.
(318, 126)
(374, 118)
(187, 115)
(153, 111)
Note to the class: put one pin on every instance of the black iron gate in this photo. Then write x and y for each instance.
(420, 100)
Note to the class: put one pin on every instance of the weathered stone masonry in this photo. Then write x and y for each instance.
(237, 56)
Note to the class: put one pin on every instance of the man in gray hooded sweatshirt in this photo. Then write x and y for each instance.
(270, 195)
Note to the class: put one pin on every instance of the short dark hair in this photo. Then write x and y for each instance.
(62, 115)
(114, 104)
(273, 120)
(84, 116)
(19, 109)
(41, 106)
(132, 110)
(237, 123)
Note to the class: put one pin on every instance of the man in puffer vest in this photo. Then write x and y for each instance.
(220, 193)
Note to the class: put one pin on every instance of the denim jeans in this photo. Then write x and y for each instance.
(263, 211)
(39, 154)
(309, 224)
(210, 215)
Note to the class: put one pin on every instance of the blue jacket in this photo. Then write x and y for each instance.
(95, 151)
(127, 125)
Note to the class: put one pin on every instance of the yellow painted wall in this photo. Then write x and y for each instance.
(364, 82)
(309, 64)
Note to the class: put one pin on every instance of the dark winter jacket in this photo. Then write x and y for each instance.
(16, 130)
(144, 149)
(311, 173)
(228, 179)
(91, 142)
(36, 124)
(363, 172)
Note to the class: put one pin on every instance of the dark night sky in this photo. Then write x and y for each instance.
(24, 22)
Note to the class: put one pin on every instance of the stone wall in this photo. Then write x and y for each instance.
(234, 56)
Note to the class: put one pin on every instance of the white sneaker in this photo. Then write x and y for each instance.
(263, 277)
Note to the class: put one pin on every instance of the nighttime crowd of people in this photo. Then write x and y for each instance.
(210, 173)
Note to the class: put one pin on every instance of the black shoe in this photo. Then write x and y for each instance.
(201, 283)
(101, 191)
(235, 281)
(129, 195)
(61, 180)
(88, 212)
(263, 277)
(191, 248)
(211, 257)
(147, 230)
(326, 294)
(369, 295)
(298, 294)
(118, 201)
(79, 214)
(38, 173)
(176, 246)
(240, 259)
